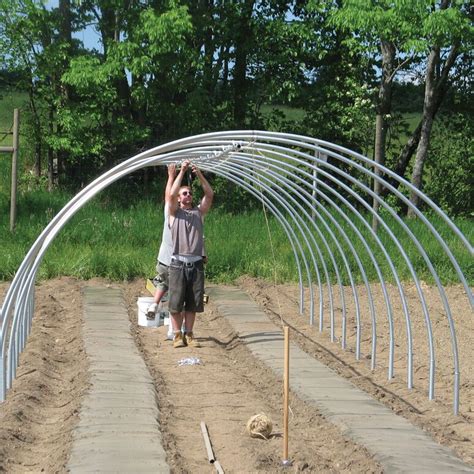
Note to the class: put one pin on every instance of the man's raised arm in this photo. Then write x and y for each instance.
(206, 201)
(172, 198)
(169, 183)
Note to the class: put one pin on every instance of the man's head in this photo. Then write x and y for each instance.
(185, 197)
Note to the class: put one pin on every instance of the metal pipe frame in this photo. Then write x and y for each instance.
(301, 192)
(422, 252)
(286, 173)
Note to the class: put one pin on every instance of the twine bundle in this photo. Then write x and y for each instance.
(259, 426)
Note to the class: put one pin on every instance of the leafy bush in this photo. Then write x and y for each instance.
(450, 167)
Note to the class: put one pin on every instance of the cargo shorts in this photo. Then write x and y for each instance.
(186, 283)
(161, 280)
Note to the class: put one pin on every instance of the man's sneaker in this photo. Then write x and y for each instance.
(178, 340)
(190, 341)
(151, 311)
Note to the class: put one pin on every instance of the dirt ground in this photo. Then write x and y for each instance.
(229, 385)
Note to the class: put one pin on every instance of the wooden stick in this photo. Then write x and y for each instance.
(207, 442)
(218, 467)
(286, 387)
(13, 191)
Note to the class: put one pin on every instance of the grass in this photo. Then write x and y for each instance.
(412, 119)
(290, 113)
(8, 102)
(121, 243)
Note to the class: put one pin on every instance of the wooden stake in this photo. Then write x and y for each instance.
(207, 442)
(13, 191)
(286, 389)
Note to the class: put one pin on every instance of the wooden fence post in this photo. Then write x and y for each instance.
(16, 135)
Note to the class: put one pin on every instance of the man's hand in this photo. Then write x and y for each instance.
(196, 170)
(184, 166)
(169, 183)
(172, 170)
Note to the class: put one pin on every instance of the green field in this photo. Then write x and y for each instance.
(290, 113)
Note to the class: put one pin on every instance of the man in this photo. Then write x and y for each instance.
(165, 252)
(186, 272)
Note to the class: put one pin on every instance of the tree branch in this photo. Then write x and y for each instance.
(397, 68)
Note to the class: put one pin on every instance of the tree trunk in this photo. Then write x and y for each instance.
(426, 127)
(50, 169)
(242, 47)
(381, 123)
(225, 72)
(138, 109)
(51, 153)
(62, 90)
(406, 154)
(412, 144)
(37, 158)
(209, 47)
(65, 38)
(435, 91)
(36, 130)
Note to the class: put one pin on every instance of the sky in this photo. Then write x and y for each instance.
(89, 36)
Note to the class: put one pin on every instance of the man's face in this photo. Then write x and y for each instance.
(185, 197)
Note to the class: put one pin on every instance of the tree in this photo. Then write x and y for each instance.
(406, 32)
(339, 87)
(383, 29)
(124, 95)
(445, 29)
(24, 34)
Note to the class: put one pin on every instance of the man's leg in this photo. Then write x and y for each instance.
(189, 318)
(194, 303)
(193, 297)
(176, 321)
(177, 286)
(162, 285)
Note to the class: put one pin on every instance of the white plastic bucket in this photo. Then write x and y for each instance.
(143, 303)
(170, 334)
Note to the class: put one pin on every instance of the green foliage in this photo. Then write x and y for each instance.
(231, 198)
(411, 25)
(450, 167)
(93, 127)
(342, 109)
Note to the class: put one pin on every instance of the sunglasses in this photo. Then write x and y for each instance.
(186, 193)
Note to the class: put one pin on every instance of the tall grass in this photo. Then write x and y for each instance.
(120, 242)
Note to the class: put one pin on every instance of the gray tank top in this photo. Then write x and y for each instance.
(187, 232)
